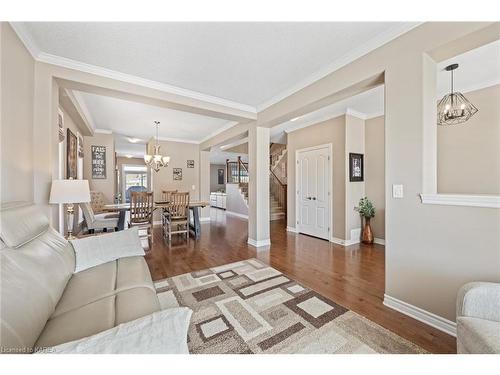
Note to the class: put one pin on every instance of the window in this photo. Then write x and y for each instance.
(135, 178)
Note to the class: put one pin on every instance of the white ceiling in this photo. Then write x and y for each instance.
(478, 68)
(135, 120)
(247, 63)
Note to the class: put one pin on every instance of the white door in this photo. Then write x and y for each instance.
(313, 192)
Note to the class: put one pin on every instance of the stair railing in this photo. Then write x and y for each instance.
(278, 190)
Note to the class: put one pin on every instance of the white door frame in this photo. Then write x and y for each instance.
(330, 187)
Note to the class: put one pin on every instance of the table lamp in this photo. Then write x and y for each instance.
(69, 192)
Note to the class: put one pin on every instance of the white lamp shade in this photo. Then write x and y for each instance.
(69, 191)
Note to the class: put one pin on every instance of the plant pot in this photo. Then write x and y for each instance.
(367, 236)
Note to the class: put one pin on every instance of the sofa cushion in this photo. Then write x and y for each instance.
(479, 336)
(133, 272)
(78, 323)
(86, 287)
(135, 303)
(33, 278)
(111, 293)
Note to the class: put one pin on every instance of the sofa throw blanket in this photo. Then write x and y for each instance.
(96, 250)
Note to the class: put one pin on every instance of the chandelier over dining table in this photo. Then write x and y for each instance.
(156, 161)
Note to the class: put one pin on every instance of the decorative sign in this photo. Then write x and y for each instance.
(177, 174)
(190, 163)
(98, 162)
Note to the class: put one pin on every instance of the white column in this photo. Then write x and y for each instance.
(205, 183)
(258, 187)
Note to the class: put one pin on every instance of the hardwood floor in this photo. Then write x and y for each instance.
(351, 276)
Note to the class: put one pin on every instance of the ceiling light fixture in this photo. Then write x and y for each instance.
(454, 108)
(156, 161)
(133, 140)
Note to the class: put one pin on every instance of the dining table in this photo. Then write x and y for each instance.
(194, 209)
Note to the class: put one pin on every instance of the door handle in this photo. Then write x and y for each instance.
(314, 198)
(309, 198)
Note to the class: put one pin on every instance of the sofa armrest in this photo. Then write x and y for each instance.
(479, 300)
(163, 332)
(96, 250)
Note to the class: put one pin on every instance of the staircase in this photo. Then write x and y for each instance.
(277, 181)
(244, 190)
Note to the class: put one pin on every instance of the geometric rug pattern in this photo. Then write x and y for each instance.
(248, 307)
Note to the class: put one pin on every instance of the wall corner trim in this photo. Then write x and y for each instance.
(421, 315)
(258, 243)
(488, 201)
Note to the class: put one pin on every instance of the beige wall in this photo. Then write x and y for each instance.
(354, 190)
(330, 131)
(106, 186)
(431, 250)
(375, 172)
(469, 153)
(214, 177)
(179, 154)
(17, 85)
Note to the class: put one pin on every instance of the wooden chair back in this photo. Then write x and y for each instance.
(179, 205)
(166, 195)
(141, 207)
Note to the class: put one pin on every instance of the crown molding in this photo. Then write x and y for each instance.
(353, 113)
(346, 59)
(103, 131)
(180, 140)
(314, 121)
(370, 116)
(64, 62)
(25, 36)
(124, 77)
(227, 126)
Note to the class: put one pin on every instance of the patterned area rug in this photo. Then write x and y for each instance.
(249, 307)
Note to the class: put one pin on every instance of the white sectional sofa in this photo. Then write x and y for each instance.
(46, 305)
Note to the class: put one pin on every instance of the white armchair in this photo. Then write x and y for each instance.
(478, 318)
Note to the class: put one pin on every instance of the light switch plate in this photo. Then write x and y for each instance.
(397, 191)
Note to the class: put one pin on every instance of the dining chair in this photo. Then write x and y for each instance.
(177, 216)
(97, 203)
(99, 222)
(165, 197)
(141, 212)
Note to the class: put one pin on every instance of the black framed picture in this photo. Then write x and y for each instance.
(177, 172)
(98, 162)
(190, 163)
(220, 176)
(356, 167)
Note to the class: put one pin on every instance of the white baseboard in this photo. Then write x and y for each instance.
(204, 219)
(259, 243)
(379, 241)
(421, 315)
(340, 241)
(242, 216)
(291, 229)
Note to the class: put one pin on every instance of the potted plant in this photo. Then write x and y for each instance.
(366, 210)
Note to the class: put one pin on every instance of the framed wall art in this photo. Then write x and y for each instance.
(356, 167)
(71, 155)
(190, 163)
(177, 174)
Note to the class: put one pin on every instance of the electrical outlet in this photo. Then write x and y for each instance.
(397, 191)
